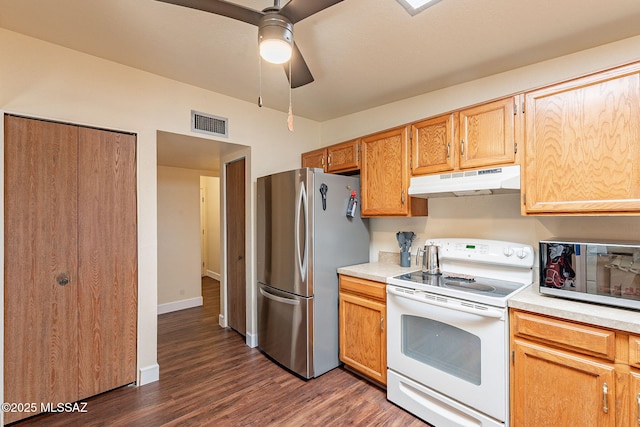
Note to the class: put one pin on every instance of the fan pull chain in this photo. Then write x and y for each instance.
(260, 81)
(290, 117)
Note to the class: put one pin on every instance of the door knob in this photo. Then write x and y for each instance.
(62, 279)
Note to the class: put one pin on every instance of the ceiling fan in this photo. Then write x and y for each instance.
(274, 24)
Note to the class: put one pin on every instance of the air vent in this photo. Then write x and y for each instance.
(209, 124)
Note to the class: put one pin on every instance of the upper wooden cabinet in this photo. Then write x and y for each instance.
(343, 157)
(583, 145)
(433, 145)
(315, 159)
(475, 137)
(384, 176)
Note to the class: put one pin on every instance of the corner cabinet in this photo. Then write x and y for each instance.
(384, 176)
(474, 137)
(338, 158)
(583, 145)
(362, 325)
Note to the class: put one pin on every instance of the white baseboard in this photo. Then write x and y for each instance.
(149, 374)
(213, 275)
(179, 305)
(251, 340)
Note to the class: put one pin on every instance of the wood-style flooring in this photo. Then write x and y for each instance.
(209, 377)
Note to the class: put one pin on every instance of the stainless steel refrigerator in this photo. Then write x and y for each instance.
(304, 235)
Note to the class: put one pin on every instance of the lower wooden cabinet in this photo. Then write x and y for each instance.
(363, 342)
(565, 373)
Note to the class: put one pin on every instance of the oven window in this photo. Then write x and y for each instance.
(442, 346)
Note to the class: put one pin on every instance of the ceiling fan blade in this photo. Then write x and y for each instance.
(299, 69)
(221, 7)
(297, 10)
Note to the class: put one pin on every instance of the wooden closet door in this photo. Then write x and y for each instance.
(40, 217)
(107, 260)
(236, 278)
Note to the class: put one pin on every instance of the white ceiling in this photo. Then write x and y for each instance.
(362, 53)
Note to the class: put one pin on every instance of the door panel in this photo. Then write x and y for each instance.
(236, 273)
(284, 330)
(40, 332)
(107, 260)
(283, 245)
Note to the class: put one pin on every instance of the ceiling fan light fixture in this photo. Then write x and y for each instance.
(275, 38)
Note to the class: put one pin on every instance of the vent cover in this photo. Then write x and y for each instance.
(209, 124)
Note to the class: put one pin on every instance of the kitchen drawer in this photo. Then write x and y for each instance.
(577, 337)
(634, 350)
(363, 287)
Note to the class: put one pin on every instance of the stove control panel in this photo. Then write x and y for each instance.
(485, 251)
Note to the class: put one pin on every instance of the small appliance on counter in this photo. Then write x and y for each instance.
(606, 272)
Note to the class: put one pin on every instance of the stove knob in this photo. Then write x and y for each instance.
(508, 251)
(522, 253)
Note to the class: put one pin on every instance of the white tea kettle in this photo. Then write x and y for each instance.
(430, 258)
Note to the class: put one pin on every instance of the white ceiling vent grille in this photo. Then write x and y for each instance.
(209, 124)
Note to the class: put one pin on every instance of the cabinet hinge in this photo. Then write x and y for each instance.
(515, 148)
(524, 199)
(515, 109)
(410, 134)
(522, 107)
(513, 356)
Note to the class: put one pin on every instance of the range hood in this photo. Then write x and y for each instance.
(467, 183)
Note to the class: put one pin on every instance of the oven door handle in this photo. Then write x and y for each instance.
(484, 312)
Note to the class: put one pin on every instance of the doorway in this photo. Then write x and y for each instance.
(185, 159)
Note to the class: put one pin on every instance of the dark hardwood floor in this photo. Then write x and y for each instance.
(209, 377)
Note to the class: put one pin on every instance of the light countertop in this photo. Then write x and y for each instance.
(528, 299)
(376, 271)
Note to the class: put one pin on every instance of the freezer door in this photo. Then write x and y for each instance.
(284, 219)
(284, 331)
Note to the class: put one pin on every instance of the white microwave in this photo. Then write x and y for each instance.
(603, 272)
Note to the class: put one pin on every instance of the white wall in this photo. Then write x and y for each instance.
(212, 197)
(179, 282)
(495, 217)
(43, 80)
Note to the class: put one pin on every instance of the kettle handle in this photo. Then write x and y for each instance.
(419, 263)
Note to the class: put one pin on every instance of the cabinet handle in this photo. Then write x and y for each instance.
(638, 408)
(329, 159)
(402, 197)
(462, 147)
(605, 392)
(322, 161)
(382, 323)
(448, 150)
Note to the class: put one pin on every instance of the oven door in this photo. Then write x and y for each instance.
(453, 347)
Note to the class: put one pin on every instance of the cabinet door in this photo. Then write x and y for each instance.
(634, 399)
(384, 175)
(107, 260)
(433, 145)
(556, 388)
(343, 157)
(583, 144)
(315, 159)
(488, 134)
(363, 344)
(40, 282)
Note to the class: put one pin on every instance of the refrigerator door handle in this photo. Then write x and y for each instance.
(301, 252)
(278, 299)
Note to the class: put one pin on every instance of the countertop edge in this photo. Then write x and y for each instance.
(530, 299)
